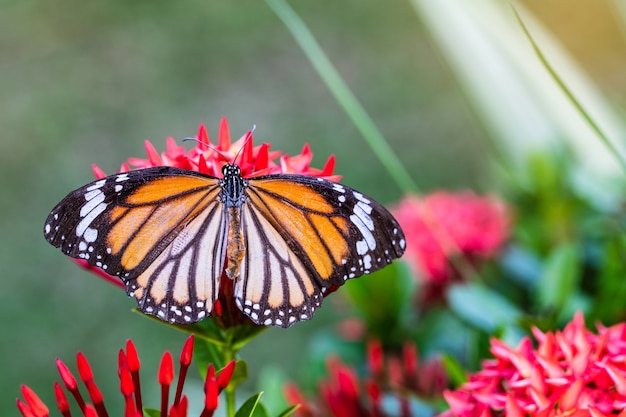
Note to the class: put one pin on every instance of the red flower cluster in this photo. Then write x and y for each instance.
(130, 387)
(344, 395)
(574, 372)
(209, 159)
(443, 225)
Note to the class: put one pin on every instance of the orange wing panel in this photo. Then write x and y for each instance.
(335, 241)
(123, 230)
(298, 193)
(296, 224)
(159, 189)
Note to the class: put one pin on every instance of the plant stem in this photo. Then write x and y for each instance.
(229, 355)
(338, 88)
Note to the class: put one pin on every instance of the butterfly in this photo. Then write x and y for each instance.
(170, 233)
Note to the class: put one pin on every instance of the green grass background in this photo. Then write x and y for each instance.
(87, 82)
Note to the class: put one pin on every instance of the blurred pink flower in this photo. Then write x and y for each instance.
(443, 225)
(574, 372)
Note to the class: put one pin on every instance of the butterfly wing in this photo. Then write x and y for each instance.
(302, 235)
(161, 230)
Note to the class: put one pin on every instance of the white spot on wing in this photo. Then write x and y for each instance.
(367, 260)
(360, 197)
(86, 221)
(361, 247)
(92, 202)
(362, 210)
(90, 235)
(365, 231)
(96, 185)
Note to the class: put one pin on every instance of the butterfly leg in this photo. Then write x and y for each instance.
(235, 249)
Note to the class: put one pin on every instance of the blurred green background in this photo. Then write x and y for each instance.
(87, 82)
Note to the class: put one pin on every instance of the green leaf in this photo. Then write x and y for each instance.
(151, 412)
(482, 307)
(384, 298)
(572, 97)
(206, 329)
(207, 353)
(440, 330)
(260, 411)
(289, 411)
(455, 371)
(241, 335)
(273, 380)
(249, 406)
(240, 374)
(560, 277)
(608, 304)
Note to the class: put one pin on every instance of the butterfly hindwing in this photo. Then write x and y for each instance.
(275, 286)
(147, 227)
(165, 232)
(304, 234)
(182, 283)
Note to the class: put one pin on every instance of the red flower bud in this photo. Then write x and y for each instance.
(37, 407)
(66, 376)
(166, 369)
(223, 378)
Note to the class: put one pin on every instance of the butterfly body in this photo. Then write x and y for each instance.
(169, 233)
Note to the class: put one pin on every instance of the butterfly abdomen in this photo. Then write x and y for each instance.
(235, 249)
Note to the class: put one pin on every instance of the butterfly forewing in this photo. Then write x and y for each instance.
(304, 234)
(165, 232)
(157, 229)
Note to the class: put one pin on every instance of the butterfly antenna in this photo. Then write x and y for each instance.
(208, 145)
(245, 142)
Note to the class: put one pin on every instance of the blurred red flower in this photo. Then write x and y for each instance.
(443, 225)
(130, 387)
(574, 372)
(398, 376)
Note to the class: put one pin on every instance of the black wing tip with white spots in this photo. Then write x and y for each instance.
(169, 310)
(283, 316)
(376, 236)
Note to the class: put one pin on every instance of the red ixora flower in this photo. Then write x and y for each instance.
(443, 225)
(398, 377)
(574, 373)
(209, 158)
(130, 387)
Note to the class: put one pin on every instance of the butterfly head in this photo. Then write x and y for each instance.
(231, 170)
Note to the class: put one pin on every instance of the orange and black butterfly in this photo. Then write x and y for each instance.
(169, 233)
